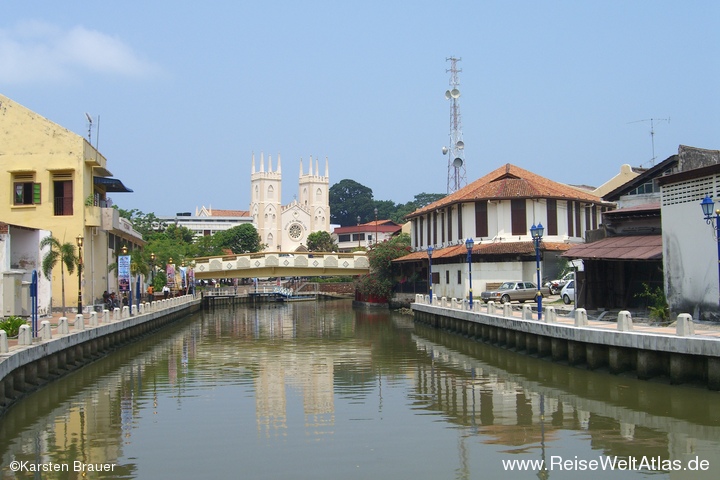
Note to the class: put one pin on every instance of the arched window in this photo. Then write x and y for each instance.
(270, 192)
(318, 195)
(257, 192)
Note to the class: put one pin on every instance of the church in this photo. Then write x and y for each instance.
(285, 228)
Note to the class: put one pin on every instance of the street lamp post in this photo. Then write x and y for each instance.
(79, 241)
(358, 234)
(537, 232)
(430, 252)
(469, 243)
(708, 205)
(376, 229)
(152, 270)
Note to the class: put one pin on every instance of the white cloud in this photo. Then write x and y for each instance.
(40, 52)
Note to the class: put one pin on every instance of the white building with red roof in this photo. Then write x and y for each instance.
(497, 212)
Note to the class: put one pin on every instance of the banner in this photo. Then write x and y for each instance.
(170, 272)
(124, 273)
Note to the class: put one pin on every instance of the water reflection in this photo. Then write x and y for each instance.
(318, 390)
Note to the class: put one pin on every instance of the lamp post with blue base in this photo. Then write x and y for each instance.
(469, 243)
(430, 252)
(537, 232)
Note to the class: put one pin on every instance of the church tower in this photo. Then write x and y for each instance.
(265, 203)
(314, 195)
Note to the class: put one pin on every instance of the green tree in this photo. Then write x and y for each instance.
(379, 282)
(385, 209)
(240, 239)
(321, 242)
(147, 224)
(424, 199)
(59, 252)
(348, 199)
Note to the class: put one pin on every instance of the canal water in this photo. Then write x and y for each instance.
(319, 390)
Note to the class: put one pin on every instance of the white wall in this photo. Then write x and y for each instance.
(690, 259)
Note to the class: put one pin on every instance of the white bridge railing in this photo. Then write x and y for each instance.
(274, 264)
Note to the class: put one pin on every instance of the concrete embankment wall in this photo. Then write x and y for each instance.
(25, 368)
(687, 358)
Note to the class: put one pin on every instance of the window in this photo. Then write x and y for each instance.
(442, 226)
(571, 232)
(481, 219)
(25, 192)
(578, 225)
(435, 278)
(519, 217)
(63, 195)
(459, 278)
(344, 238)
(552, 225)
(447, 277)
(449, 223)
(460, 225)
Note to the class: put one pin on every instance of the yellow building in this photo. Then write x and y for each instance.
(56, 180)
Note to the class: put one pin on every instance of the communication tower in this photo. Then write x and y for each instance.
(457, 178)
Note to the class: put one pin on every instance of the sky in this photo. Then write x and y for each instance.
(183, 92)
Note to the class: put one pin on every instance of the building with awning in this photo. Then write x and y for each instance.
(617, 267)
(59, 182)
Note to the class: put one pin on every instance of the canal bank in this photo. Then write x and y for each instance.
(59, 348)
(677, 354)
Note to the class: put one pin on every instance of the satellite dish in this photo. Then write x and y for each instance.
(457, 163)
(447, 94)
(455, 93)
(460, 145)
(445, 150)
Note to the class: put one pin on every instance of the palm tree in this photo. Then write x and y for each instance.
(65, 253)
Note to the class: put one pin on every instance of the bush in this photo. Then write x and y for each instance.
(374, 286)
(657, 304)
(12, 325)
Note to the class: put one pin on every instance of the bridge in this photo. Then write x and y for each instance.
(281, 264)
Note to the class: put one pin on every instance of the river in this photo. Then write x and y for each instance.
(320, 390)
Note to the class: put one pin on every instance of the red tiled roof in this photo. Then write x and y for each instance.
(229, 213)
(497, 248)
(637, 247)
(509, 182)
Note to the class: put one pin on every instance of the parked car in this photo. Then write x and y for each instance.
(555, 286)
(510, 292)
(568, 292)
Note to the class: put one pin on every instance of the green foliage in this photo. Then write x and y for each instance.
(348, 199)
(382, 254)
(63, 253)
(321, 242)
(240, 239)
(332, 279)
(657, 303)
(12, 325)
(375, 286)
(380, 281)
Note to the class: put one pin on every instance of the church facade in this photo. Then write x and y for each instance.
(285, 228)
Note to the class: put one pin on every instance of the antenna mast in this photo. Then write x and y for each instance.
(652, 133)
(457, 177)
(90, 122)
